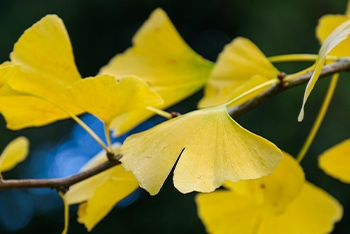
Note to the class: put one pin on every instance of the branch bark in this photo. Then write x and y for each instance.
(64, 183)
(339, 66)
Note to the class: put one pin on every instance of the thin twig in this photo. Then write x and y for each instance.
(58, 184)
(339, 66)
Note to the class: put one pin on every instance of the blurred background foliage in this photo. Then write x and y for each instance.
(101, 29)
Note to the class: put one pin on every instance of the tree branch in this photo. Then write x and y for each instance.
(64, 183)
(59, 184)
(339, 66)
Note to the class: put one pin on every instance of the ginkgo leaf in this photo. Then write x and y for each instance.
(336, 160)
(217, 211)
(333, 40)
(107, 97)
(22, 111)
(209, 146)
(47, 62)
(15, 152)
(106, 196)
(282, 202)
(313, 211)
(102, 191)
(7, 71)
(277, 190)
(46, 68)
(85, 189)
(127, 121)
(240, 67)
(326, 26)
(160, 57)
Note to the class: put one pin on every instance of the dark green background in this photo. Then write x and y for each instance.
(100, 29)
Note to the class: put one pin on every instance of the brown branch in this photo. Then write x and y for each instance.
(64, 183)
(339, 66)
(59, 184)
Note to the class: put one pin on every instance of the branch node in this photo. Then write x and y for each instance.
(110, 156)
(281, 76)
(175, 114)
(62, 189)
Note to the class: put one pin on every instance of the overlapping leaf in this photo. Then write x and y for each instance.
(107, 97)
(337, 36)
(252, 205)
(240, 67)
(46, 68)
(164, 61)
(100, 193)
(209, 146)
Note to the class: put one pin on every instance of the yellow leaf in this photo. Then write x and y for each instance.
(106, 196)
(240, 67)
(337, 36)
(210, 148)
(307, 209)
(127, 121)
(107, 97)
(277, 190)
(336, 160)
(313, 211)
(46, 68)
(327, 24)
(15, 152)
(22, 111)
(7, 71)
(85, 190)
(225, 212)
(160, 57)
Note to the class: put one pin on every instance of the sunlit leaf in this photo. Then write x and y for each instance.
(333, 40)
(210, 148)
(107, 97)
(160, 57)
(46, 69)
(336, 160)
(15, 152)
(240, 67)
